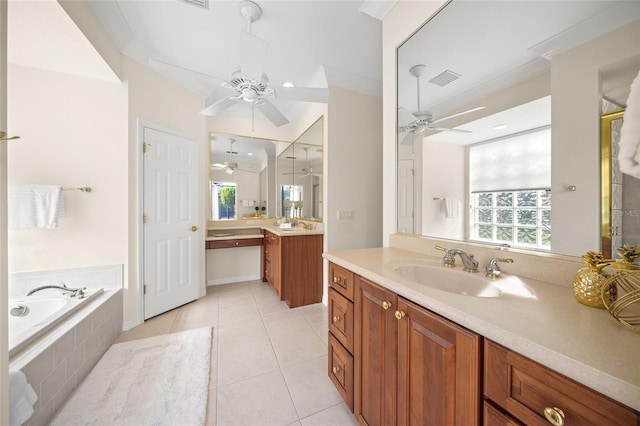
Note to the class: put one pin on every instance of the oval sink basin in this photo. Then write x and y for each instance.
(454, 280)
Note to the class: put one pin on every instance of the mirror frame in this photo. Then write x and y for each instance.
(606, 181)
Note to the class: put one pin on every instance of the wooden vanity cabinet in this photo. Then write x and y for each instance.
(341, 329)
(293, 266)
(411, 365)
(535, 395)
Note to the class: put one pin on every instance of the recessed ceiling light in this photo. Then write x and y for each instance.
(249, 153)
(288, 84)
(500, 127)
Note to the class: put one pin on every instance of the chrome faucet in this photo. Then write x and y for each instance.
(449, 259)
(493, 271)
(78, 293)
(307, 226)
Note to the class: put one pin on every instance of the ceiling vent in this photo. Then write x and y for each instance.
(444, 78)
(200, 3)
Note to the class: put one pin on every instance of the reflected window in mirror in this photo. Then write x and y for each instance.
(223, 196)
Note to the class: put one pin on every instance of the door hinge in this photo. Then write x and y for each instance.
(144, 147)
(144, 218)
(144, 289)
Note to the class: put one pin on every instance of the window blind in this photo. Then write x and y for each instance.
(522, 161)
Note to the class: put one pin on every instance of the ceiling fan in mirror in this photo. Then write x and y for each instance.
(248, 82)
(230, 166)
(418, 123)
(306, 171)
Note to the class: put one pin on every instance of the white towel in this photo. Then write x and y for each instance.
(451, 208)
(629, 154)
(35, 206)
(21, 398)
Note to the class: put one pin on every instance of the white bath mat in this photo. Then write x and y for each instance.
(162, 380)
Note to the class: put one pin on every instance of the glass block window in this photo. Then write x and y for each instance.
(518, 218)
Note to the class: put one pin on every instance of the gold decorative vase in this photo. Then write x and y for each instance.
(588, 282)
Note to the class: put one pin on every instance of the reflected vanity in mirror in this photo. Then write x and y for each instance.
(299, 176)
(242, 176)
(498, 134)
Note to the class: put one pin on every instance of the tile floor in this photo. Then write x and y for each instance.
(269, 362)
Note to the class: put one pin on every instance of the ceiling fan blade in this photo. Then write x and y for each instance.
(445, 129)
(405, 117)
(272, 113)
(458, 114)
(303, 94)
(253, 54)
(219, 106)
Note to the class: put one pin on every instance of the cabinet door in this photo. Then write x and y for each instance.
(438, 370)
(375, 354)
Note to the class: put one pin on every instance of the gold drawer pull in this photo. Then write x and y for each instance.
(336, 370)
(336, 280)
(554, 415)
(336, 318)
(386, 305)
(400, 315)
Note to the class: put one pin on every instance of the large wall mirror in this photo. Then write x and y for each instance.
(499, 107)
(299, 175)
(242, 176)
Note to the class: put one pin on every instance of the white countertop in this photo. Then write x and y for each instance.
(552, 328)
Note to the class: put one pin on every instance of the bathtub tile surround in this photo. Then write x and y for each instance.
(59, 361)
(108, 276)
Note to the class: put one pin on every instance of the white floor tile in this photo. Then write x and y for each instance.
(310, 387)
(244, 360)
(263, 400)
(285, 322)
(297, 346)
(338, 415)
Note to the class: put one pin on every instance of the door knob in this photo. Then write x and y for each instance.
(194, 228)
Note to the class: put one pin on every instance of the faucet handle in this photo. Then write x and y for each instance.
(449, 260)
(493, 270)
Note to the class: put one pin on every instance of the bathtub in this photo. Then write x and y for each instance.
(44, 311)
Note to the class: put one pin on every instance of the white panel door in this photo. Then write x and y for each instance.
(171, 270)
(406, 178)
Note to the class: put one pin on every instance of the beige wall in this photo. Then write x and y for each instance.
(74, 134)
(353, 159)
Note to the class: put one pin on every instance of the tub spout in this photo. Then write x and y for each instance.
(78, 293)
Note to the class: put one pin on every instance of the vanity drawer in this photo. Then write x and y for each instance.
(342, 280)
(247, 242)
(526, 389)
(341, 370)
(341, 319)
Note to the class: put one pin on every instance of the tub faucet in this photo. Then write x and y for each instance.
(78, 293)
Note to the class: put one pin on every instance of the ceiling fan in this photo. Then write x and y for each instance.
(306, 171)
(249, 83)
(230, 166)
(415, 124)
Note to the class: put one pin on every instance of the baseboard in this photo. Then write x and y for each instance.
(126, 326)
(231, 280)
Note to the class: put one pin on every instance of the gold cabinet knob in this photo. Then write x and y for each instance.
(336, 280)
(386, 305)
(194, 228)
(336, 318)
(335, 370)
(554, 415)
(400, 315)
